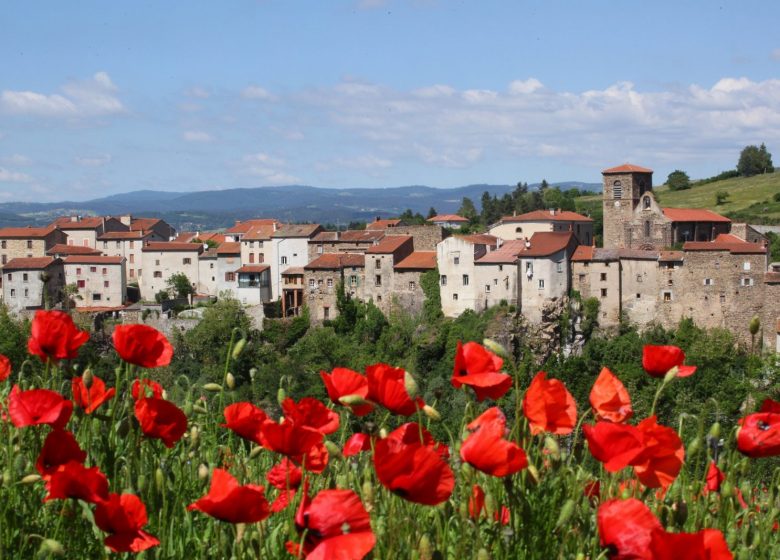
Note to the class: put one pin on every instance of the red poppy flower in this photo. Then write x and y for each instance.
(415, 471)
(486, 449)
(342, 382)
(412, 433)
(245, 419)
(658, 360)
(476, 502)
(287, 477)
(615, 445)
(714, 478)
(626, 526)
(38, 406)
(707, 544)
(592, 490)
(161, 419)
(480, 369)
(770, 406)
(315, 459)
(549, 406)
(5, 367)
(228, 501)
(55, 337)
(356, 443)
(288, 438)
(609, 398)
(312, 413)
(759, 435)
(124, 516)
(146, 388)
(386, 387)
(74, 480)
(335, 526)
(662, 457)
(142, 345)
(504, 516)
(59, 448)
(91, 399)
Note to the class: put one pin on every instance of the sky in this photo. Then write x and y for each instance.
(99, 98)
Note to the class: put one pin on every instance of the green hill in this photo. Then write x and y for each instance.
(751, 199)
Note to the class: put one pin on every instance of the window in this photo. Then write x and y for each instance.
(81, 283)
(186, 260)
(559, 267)
(251, 258)
(456, 260)
(670, 282)
(13, 292)
(581, 278)
(96, 297)
(541, 283)
(465, 279)
(311, 282)
(412, 285)
(93, 269)
(4, 259)
(377, 280)
(284, 260)
(132, 244)
(319, 249)
(211, 265)
(746, 265)
(157, 262)
(157, 274)
(353, 280)
(10, 277)
(118, 243)
(105, 244)
(454, 297)
(639, 278)
(260, 257)
(105, 283)
(29, 243)
(667, 296)
(603, 292)
(487, 288)
(709, 282)
(747, 281)
(647, 202)
(230, 277)
(444, 280)
(330, 282)
(26, 292)
(104, 271)
(251, 244)
(3, 244)
(500, 268)
(529, 266)
(326, 312)
(617, 189)
(722, 299)
(319, 282)
(85, 243)
(495, 281)
(132, 273)
(132, 258)
(71, 242)
(25, 278)
(377, 263)
(518, 230)
(647, 228)
(638, 296)
(603, 276)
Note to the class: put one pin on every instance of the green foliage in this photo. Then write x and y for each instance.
(429, 283)
(13, 337)
(730, 174)
(678, 180)
(721, 197)
(162, 296)
(754, 160)
(412, 218)
(210, 243)
(432, 212)
(774, 246)
(180, 285)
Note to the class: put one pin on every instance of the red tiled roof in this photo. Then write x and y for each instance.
(254, 268)
(120, 235)
(349, 236)
(25, 232)
(418, 260)
(693, 215)
(336, 261)
(382, 224)
(627, 168)
(728, 238)
(32, 263)
(92, 259)
(448, 218)
(63, 249)
(547, 216)
(168, 246)
(245, 226)
(98, 309)
(739, 247)
(259, 233)
(189, 236)
(297, 230)
(142, 224)
(292, 271)
(508, 253)
(583, 253)
(390, 244)
(229, 248)
(480, 239)
(671, 256)
(546, 243)
(86, 222)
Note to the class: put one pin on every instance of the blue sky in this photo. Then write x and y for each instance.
(104, 97)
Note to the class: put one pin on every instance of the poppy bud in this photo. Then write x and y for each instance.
(566, 512)
(252, 373)
(755, 543)
(431, 412)
(681, 512)
(238, 348)
(203, 471)
(159, 479)
(693, 447)
(742, 554)
(726, 489)
(743, 466)
(187, 408)
(230, 381)
(341, 481)
(495, 347)
(333, 449)
(50, 547)
(424, 548)
(255, 452)
(20, 464)
(30, 478)
(199, 409)
(383, 433)
(483, 554)
(534, 473)
(714, 432)
(671, 374)
(754, 325)
(410, 384)
(165, 394)
(86, 379)
(281, 395)
(194, 436)
(352, 400)
(140, 483)
(213, 387)
(466, 469)
(552, 447)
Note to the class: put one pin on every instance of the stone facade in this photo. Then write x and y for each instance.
(127, 244)
(425, 237)
(380, 268)
(455, 259)
(321, 278)
(623, 186)
(32, 283)
(18, 243)
(100, 281)
(526, 225)
(207, 273)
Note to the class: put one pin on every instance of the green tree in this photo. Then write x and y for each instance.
(210, 243)
(467, 209)
(754, 160)
(721, 197)
(180, 285)
(432, 212)
(678, 180)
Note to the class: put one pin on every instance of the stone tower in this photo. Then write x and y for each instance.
(623, 187)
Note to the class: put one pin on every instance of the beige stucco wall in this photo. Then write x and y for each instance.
(112, 295)
(207, 276)
(166, 263)
(553, 271)
(28, 289)
(456, 294)
(494, 283)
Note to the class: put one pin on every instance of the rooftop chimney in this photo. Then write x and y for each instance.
(552, 211)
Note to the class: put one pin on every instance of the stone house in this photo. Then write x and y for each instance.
(127, 244)
(100, 280)
(256, 245)
(28, 242)
(407, 290)
(455, 258)
(321, 278)
(349, 241)
(253, 284)
(207, 273)
(228, 263)
(290, 248)
(496, 275)
(523, 226)
(161, 229)
(380, 224)
(161, 260)
(426, 237)
(32, 283)
(292, 291)
(84, 231)
(451, 221)
(380, 268)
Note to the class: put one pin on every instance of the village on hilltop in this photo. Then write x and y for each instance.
(719, 274)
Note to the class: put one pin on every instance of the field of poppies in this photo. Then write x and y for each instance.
(102, 462)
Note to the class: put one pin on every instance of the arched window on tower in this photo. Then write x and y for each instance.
(617, 189)
(647, 228)
(647, 202)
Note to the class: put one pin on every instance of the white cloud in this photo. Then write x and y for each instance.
(198, 92)
(269, 169)
(10, 176)
(438, 90)
(524, 87)
(775, 54)
(83, 98)
(93, 161)
(257, 92)
(196, 136)
(16, 159)
(364, 163)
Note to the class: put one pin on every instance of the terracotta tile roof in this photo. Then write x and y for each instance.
(627, 168)
(143, 224)
(98, 309)
(480, 239)
(229, 248)
(508, 253)
(739, 247)
(26, 232)
(297, 230)
(246, 225)
(85, 222)
(337, 261)
(292, 271)
(448, 218)
(63, 249)
(254, 268)
(120, 235)
(547, 216)
(693, 215)
(33, 263)
(583, 253)
(382, 224)
(728, 238)
(418, 260)
(546, 243)
(259, 233)
(210, 253)
(92, 259)
(189, 236)
(349, 236)
(168, 246)
(671, 256)
(390, 244)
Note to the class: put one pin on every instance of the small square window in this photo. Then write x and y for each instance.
(465, 279)
(444, 280)
(667, 296)
(541, 284)
(412, 285)
(487, 288)
(603, 292)
(454, 297)
(603, 276)
(456, 260)
(330, 282)
(746, 265)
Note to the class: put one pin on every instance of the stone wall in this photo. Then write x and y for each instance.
(619, 212)
(425, 237)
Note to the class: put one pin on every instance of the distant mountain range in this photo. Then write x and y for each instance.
(205, 210)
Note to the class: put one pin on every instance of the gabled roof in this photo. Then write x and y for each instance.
(122, 235)
(508, 253)
(246, 225)
(382, 224)
(297, 230)
(734, 247)
(63, 249)
(143, 224)
(546, 243)
(292, 271)
(253, 268)
(32, 263)
(418, 260)
(349, 236)
(229, 248)
(259, 233)
(203, 236)
(480, 239)
(627, 168)
(448, 218)
(583, 253)
(93, 259)
(390, 244)
(26, 232)
(172, 246)
(693, 215)
(336, 261)
(85, 222)
(547, 216)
